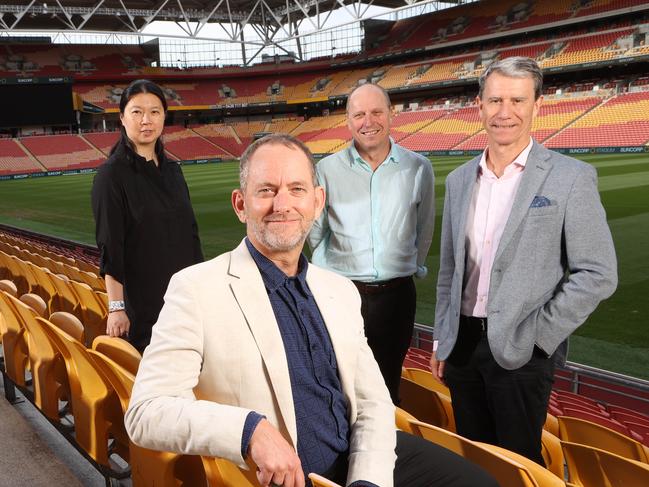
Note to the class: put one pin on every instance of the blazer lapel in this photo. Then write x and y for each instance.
(467, 188)
(250, 293)
(534, 174)
(336, 323)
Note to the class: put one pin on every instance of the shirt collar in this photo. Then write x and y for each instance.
(272, 275)
(520, 160)
(357, 159)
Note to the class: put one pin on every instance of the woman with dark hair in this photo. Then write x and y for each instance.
(145, 226)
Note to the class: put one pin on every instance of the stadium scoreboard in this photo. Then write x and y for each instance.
(36, 101)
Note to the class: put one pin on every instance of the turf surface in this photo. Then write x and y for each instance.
(615, 337)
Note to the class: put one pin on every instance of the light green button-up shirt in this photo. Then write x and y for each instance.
(376, 225)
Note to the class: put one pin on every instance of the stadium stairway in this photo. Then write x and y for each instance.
(29, 154)
(582, 115)
(35, 454)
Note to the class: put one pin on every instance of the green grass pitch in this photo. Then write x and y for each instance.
(616, 336)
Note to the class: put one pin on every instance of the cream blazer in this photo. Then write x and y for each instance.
(216, 354)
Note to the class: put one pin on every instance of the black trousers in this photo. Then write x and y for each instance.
(495, 405)
(421, 463)
(389, 316)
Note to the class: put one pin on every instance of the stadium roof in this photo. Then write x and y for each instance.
(133, 16)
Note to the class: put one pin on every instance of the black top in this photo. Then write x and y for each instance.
(145, 230)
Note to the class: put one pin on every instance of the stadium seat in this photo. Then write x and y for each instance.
(14, 344)
(223, 473)
(593, 467)
(543, 477)
(118, 350)
(320, 481)
(600, 420)
(9, 287)
(35, 302)
(506, 471)
(91, 309)
(584, 432)
(552, 453)
(551, 424)
(49, 376)
(97, 414)
(149, 468)
(69, 324)
(402, 420)
(426, 404)
(426, 379)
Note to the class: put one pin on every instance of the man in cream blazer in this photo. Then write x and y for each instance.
(217, 377)
(526, 255)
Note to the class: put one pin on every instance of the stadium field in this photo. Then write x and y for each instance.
(616, 336)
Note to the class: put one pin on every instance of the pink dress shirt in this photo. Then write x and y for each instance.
(489, 210)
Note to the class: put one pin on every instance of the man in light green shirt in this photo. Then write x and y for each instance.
(377, 225)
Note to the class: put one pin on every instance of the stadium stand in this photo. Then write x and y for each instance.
(618, 121)
(446, 132)
(15, 160)
(104, 141)
(56, 152)
(186, 144)
(222, 136)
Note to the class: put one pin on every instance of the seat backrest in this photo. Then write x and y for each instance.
(426, 379)
(506, 471)
(575, 430)
(320, 481)
(9, 287)
(14, 342)
(119, 350)
(424, 404)
(35, 302)
(541, 475)
(551, 424)
(119, 378)
(622, 471)
(223, 473)
(585, 467)
(69, 324)
(402, 420)
(552, 453)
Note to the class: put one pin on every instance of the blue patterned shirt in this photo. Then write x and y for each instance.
(320, 405)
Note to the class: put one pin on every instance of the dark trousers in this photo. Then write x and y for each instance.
(495, 405)
(421, 463)
(389, 316)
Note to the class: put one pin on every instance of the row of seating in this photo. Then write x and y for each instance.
(633, 424)
(589, 452)
(84, 393)
(58, 292)
(71, 256)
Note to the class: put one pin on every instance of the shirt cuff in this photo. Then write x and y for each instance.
(252, 420)
(422, 271)
(362, 483)
(435, 345)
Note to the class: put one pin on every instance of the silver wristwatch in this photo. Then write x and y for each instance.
(116, 306)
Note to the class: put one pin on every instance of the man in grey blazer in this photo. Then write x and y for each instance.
(526, 256)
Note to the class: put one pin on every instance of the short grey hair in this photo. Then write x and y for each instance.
(380, 88)
(283, 139)
(514, 67)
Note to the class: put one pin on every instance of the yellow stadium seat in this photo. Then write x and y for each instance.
(118, 350)
(320, 481)
(584, 432)
(426, 405)
(14, 342)
(149, 468)
(402, 420)
(594, 467)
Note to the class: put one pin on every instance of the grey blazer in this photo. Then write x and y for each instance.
(554, 264)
